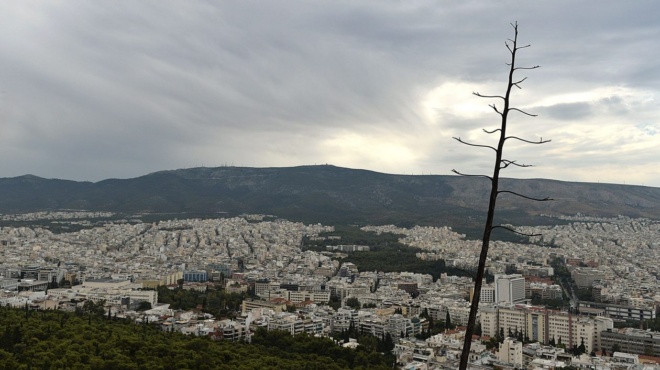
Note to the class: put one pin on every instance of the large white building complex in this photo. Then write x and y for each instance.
(543, 325)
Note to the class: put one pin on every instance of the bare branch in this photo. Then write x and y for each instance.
(522, 47)
(533, 67)
(541, 141)
(468, 175)
(508, 47)
(524, 196)
(516, 83)
(495, 109)
(491, 132)
(486, 96)
(470, 144)
(513, 231)
(508, 163)
(523, 112)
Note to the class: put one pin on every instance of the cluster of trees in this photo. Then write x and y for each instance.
(575, 350)
(554, 304)
(434, 327)
(386, 253)
(91, 340)
(217, 302)
(499, 337)
(353, 303)
(54, 226)
(653, 325)
(563, 278)
(351, 235)
(369, 344)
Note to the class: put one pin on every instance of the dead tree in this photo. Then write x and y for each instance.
(500, 164)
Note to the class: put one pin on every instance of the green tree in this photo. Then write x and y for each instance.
(582, 348)
(353, 303)
(91, 342)
(334, 302)
(144, 306)
(429, 319)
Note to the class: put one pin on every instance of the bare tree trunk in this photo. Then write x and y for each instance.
(500, 163)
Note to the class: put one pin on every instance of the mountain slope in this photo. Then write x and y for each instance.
(327, 194)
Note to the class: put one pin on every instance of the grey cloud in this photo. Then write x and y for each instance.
(566, 111)
(117, 89)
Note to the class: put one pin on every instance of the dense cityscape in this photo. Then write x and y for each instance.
(329, 185)
(583, 294)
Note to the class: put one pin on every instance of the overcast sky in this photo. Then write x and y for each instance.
(91, 90)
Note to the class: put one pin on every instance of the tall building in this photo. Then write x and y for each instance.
(488, 294)
(511, 352)
(543, 325)
(509, 288)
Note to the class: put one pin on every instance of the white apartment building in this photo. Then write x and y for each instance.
(263, 287)
(398, 326)
(232, 331)
(489, 320)
(487, 294)
(509, 288)
(150, 296)
(510, 352)
(540, 324)
(303, 295)
(458, 313)
(585, 277)
(252, 304)
(290, 323)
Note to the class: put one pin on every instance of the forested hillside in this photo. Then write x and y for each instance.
(87, 340)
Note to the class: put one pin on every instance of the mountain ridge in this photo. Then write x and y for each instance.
(327, 194)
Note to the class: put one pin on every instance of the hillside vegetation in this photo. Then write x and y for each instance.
(328, 194)
(61, 340)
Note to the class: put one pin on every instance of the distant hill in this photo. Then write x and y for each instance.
(328, 194)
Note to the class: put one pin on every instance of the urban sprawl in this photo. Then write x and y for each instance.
(612, 268)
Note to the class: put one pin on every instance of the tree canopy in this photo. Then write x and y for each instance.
(61, 340)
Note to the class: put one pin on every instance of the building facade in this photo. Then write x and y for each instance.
(543, 325)
(630, 340)
(509, 288)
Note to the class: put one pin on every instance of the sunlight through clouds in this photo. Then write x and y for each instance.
(382, 151)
